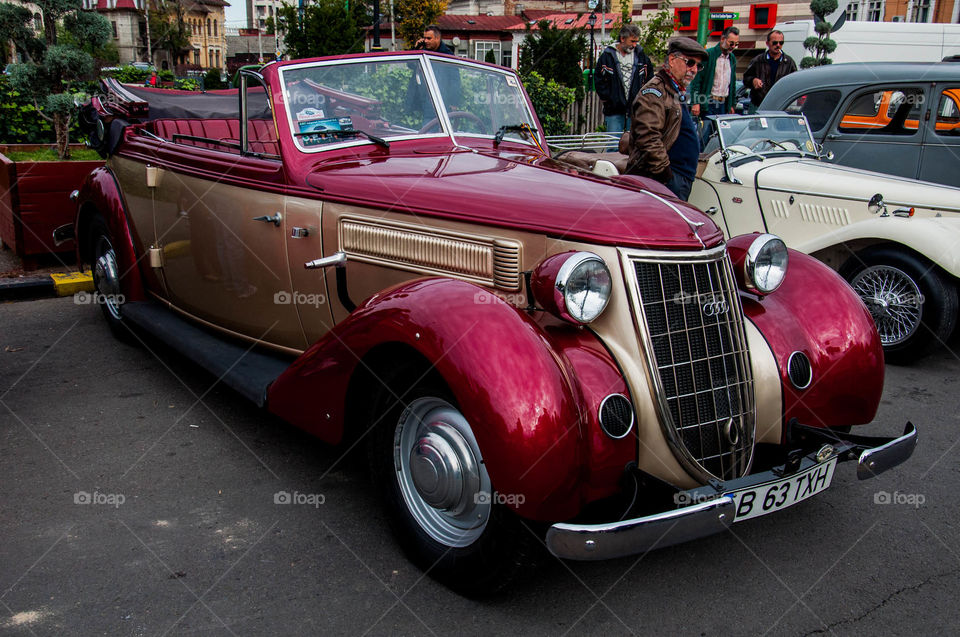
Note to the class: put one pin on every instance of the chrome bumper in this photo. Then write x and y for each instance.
(639, 535)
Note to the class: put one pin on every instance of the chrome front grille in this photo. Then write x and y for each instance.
(701, 364)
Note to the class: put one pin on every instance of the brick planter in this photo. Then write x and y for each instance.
(35, 199)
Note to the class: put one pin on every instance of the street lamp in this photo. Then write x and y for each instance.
(592, 20)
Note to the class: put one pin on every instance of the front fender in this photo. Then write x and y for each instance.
(100, 194)
(934, 237)
(816, 312)
(512, 384)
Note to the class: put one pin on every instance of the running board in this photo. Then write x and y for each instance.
(240, 366)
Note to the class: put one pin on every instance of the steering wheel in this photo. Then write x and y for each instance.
(435, 122)
(769, 142)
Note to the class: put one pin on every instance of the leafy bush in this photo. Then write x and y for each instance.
(212, 80)
(19, 121)
(554, 54)
(550, 100)
(186, 84)
(129, 74)
(165, 75)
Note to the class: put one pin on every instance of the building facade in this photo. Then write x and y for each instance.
(208, 39)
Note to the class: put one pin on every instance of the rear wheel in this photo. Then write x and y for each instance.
(106, 278)
(913, 303)
(438, 495)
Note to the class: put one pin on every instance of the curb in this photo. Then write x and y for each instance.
(45, 286)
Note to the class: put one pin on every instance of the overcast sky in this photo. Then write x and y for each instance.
(237, 14)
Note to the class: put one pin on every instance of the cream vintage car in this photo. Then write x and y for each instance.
(894, 239)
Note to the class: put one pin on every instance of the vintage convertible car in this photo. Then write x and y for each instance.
(894, 239)
(377, 248)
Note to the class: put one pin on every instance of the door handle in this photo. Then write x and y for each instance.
(833, 136)
(275, 219)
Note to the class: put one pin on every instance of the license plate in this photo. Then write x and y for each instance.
(774, 496)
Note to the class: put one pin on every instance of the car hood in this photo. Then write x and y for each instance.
(516, 191)
(810, 176)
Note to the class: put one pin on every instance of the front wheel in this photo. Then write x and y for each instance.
(438, 495)
(106, 278)
(913, 303)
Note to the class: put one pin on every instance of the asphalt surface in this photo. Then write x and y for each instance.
(138, 498)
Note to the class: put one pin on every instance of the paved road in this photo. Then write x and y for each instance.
(136, 499)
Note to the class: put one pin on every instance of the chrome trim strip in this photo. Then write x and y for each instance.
(873, 462)
(629, 537)
(834, 195)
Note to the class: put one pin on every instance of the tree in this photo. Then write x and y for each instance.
(15, 26)
(328, 27)
(47, 75)
(655, 32)
(413, 15)
(490, 57)
(820, 45)
(555, 54)
(168, 28)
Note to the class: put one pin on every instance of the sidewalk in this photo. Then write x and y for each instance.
(53, 279)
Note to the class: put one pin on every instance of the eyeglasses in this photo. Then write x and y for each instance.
(776, 42)
(690, 62)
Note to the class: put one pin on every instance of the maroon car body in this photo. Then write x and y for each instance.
(517, 341)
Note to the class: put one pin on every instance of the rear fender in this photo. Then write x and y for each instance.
(816, 312)
(100, 194)
(508, 378)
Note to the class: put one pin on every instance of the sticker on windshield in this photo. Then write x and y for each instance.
(308, 123)
(512, 81)
(809, 145)
(724, 124)
(763, 122)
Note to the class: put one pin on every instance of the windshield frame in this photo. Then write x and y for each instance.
(725, 144)
(446, 129)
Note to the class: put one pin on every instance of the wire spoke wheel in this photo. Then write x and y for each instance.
(894, 300)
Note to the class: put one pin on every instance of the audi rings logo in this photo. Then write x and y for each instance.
(714, 307)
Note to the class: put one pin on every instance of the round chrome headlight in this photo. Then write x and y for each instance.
(766, 263)
(584, 282)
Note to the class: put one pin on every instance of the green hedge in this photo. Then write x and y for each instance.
(21, 124)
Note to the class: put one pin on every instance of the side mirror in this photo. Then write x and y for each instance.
(876, 205)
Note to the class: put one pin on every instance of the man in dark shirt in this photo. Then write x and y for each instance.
(621, 71)
(432, 40)
(767, 68)
(664, 144)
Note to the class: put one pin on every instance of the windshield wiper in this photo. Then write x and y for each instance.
(509, 128)
(344, 133)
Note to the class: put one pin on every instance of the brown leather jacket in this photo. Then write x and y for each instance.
(654, 127)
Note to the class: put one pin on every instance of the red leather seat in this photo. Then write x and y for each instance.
(262, 136)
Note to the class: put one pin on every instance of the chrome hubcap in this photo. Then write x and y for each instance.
(441, 474)
(106, 278)
(894, 301)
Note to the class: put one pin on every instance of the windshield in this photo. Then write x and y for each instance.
(765, 134)
(394, 98)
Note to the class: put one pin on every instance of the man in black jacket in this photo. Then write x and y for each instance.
(433, 41)
(621, 71)
(767, 68)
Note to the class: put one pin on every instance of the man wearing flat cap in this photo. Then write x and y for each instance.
(664, 143)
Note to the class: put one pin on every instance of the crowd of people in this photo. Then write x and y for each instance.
(666, 111)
